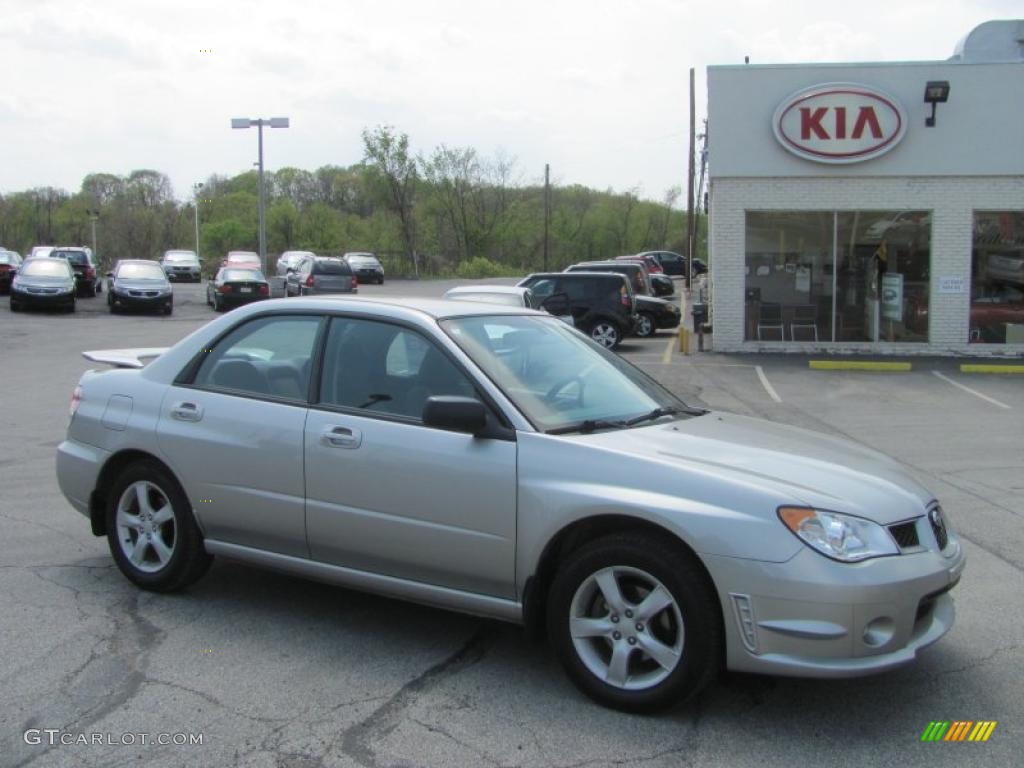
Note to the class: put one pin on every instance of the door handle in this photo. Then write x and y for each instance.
(186, 412)
(341, 437)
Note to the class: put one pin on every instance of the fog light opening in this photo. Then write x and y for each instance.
(879, 631)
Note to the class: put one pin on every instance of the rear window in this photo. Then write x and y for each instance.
(140, 272)
(241, 275)
(75, 257)
(331, 268)
(45, 268)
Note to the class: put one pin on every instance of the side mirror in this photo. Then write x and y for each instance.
(454, 413)
(556, 304)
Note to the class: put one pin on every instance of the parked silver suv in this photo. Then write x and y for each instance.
(496, 461)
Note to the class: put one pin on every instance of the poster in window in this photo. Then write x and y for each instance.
(803, 279)
(892, 296)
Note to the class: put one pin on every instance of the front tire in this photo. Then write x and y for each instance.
(635, 622)
(646, 325)
(151, 532)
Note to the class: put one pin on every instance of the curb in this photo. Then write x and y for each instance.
(856, 365)
(990, 368)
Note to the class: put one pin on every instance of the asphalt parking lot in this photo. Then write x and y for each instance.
(275, 671)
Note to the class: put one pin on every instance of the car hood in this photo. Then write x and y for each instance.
(809, 468)
(44, 281)
(652, 302)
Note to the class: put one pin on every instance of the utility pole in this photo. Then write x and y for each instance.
(547, 210)
(689, 188)
(197, 188)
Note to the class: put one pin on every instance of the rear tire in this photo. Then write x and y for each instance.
(152, 534)
(606, 333)
(622, 650)
(15, 306)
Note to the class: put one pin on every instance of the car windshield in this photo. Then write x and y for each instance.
(243, 275)
(556, 377)
(140, 272)
(180, 257)
(75, 257)
(44, 268)
(362, 260)
(246, 256)
(504, 299)
(6, 258)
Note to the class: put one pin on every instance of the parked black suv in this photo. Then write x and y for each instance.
(653, 314)
(674, 264)
(602, 304)
(84, 268)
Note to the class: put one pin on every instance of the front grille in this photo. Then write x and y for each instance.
(938, 523)
(905, 534)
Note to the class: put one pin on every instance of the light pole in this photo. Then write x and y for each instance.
(93, 216)
(196, 189)
(273, 122)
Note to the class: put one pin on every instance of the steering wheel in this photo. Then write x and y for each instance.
(552, 395)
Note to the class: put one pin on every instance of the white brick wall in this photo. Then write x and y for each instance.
(951, 200)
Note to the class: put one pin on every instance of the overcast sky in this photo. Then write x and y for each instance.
(596, 88)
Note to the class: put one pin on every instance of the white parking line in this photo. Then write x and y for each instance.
(767, 384)
(666, 356)
(958, 385)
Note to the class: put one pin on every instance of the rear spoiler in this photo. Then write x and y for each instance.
(125, 358)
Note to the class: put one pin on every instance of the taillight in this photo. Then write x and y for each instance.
(76, 399)
(264, 290)
(355, 283)
(310, 282)
(90, 273)
(224, 288)
(624, 296)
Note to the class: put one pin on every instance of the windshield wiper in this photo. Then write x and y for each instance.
(586, 426)
(657, 413)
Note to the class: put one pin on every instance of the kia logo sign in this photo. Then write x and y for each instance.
(839, 123)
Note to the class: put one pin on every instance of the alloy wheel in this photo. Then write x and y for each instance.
(146, 527)
(605, 334)
(627, 628)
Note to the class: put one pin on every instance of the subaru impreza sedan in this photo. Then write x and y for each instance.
(497, 462)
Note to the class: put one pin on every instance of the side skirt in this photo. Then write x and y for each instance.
(391, 586)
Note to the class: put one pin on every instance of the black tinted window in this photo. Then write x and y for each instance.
(75, 257)
(331, 268)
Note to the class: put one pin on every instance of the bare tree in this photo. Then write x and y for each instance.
(386, 154)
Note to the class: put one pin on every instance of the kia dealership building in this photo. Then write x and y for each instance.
(871, 207)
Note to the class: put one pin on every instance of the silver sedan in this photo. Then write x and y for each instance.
(495, 461)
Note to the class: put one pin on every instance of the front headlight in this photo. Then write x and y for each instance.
(841, 537)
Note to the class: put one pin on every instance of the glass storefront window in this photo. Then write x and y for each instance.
(837, 276)
(997, 278)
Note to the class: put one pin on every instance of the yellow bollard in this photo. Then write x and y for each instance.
(684, 340)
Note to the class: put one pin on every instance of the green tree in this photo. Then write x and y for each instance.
(393, 176)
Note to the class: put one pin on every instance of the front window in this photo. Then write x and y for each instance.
(140, 272)
(837, 276)
(997, 278)
(45, 268)
(553, 374)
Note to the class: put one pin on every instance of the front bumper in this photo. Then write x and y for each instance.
(31, 299)
(667, 320)
(183, 273)
(128, 301)
(813, 617)
(372, 275)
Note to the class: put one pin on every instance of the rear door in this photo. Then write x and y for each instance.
(234, 433)
(386, 494)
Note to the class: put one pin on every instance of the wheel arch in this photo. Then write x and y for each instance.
(574, 536)
(114, 466)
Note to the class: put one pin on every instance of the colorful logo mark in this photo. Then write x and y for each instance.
(958, 730)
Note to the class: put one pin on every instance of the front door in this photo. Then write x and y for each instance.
(386, 494)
